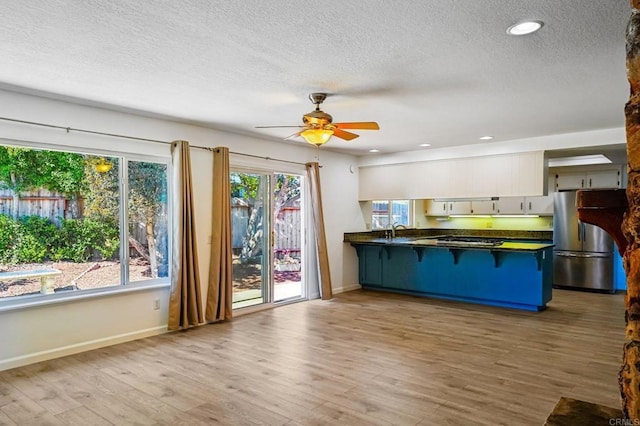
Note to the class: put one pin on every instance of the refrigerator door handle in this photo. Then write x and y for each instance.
(581, 255)
(579, 231)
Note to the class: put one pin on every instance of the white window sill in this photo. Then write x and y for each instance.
(25, 302)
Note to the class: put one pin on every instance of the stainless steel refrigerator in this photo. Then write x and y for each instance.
(583, 253)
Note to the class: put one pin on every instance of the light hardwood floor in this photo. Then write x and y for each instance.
(363, 358)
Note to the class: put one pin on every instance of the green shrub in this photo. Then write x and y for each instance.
(9, 241)
(79, 240)
(35, 239)
(30, 250)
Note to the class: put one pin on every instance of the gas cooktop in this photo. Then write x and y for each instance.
(468, 242)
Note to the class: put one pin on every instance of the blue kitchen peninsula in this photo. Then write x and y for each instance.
(513, 274)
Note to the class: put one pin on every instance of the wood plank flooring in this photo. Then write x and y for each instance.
(363, 358)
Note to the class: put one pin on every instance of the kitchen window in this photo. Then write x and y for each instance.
(72, 221)
(386, 212)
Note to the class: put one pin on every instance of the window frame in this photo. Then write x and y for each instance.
(125, 286)
(389, 215)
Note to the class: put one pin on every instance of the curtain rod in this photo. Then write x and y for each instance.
(115, 135)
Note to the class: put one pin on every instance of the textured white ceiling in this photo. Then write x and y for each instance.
(428, 71)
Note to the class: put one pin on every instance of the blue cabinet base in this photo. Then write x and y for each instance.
(510, 279)
(460, 299)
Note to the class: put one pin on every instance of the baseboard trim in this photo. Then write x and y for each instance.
(346, 288)
(79, 347)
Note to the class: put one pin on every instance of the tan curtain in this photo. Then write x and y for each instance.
(313, 174)
(185, 304)
(219, 296)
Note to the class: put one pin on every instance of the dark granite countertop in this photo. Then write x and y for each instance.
(481, 233)
(434, 243)
(498, 240)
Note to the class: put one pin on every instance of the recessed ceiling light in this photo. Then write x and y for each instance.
(425, 144)
(374, 150)
(486, 138)
(524, 27)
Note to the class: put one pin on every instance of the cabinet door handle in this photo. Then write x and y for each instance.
(522, 206)
(590, 183)
(451, 207)
(493, 206)
(529, 205)
(582, 183)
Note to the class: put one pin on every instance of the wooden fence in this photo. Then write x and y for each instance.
(287, 228)
(41, 203)
(287, 233)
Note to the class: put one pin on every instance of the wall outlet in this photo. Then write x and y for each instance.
(156, 304)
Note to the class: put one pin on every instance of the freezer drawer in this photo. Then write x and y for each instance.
(583, 270)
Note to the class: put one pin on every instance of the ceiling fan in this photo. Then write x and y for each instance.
(319, 127)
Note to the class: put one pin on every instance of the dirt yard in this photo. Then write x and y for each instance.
(248, 276)
(107, 273)
(84, 275)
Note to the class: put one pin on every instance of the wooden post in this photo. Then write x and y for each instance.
(629, 377)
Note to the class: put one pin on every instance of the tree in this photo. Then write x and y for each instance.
(23, 169)
(147, 196)
(249, 187)
(102, 192)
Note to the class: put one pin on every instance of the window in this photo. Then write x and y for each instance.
(73, 221)
(386, 212)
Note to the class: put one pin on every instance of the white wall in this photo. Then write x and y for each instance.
(47, 331)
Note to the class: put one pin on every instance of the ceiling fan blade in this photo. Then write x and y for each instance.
(347, 136)
(274, 127)
(362, 125)
(295, 135)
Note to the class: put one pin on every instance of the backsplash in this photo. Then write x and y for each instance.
(542, 223)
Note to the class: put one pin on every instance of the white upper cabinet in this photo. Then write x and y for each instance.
(541, 205)
(489, 176)
(459, 207)
(511, 205)
(436, 208)
(601, 179)
(484, 206)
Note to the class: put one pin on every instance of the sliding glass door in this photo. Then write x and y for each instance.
(249, 219)
(267, 237)
(287, 237)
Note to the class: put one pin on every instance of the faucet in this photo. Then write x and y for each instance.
(394, 227)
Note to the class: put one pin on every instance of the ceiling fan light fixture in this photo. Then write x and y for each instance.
(317, 137)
